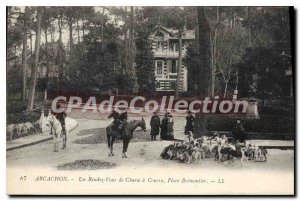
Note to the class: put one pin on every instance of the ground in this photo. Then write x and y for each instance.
(85, 144)
(144, 156)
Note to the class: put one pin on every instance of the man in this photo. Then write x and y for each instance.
(189, 127)
(170, 127)
(122, 119)
(238, 132)
(60, 116)
(154, 123)
(115, 115)
(164, 127)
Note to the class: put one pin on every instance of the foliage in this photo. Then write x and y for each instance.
(144, 61)
(262, 71)
(266, 124)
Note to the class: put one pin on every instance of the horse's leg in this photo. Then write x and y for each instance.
(64, 137)
(55, 139)
(109, 138)
(126, 147)
(112, 146)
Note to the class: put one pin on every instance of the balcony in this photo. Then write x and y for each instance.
(166, 54)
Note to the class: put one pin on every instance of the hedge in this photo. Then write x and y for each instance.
(266, 124)
(15, 118)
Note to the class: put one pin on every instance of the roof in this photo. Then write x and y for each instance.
(173, 33)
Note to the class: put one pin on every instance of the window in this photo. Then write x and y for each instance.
(159, 66)
(159, 45)
(174, 46)
(172, 85)
(174, 66)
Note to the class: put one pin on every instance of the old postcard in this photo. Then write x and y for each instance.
(142, 100)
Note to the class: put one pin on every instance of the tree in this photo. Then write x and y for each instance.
(202, 86)
(36, 55)
(231, 46)
(24, 55)
(144, 60)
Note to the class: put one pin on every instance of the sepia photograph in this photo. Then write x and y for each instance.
(150, 100)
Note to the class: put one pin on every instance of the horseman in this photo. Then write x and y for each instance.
(123, 119)
(119, 119)
(61, 116)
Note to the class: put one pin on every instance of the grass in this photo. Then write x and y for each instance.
(88, 164)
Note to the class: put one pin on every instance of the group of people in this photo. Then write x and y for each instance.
(165, 126)
(167, 131)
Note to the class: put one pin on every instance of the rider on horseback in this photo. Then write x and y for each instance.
(119, 120)
(60, 116)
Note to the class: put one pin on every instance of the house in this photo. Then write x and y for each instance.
(165, 47)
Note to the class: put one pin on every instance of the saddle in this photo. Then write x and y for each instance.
(117, 128)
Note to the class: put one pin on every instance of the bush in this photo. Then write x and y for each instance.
(15, 118)
(266, 124)
(276, 110)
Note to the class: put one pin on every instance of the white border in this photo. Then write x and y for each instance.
(5, 3)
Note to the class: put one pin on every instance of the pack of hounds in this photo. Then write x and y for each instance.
(216, 147)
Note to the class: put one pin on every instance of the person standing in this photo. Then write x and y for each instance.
(164, 127)
(238, 132)
(170, 127)
(154, 123)
(189, 127)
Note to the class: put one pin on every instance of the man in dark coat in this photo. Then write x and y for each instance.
(164, 127)
(154, 123)
(238, 132)
(115, 115)
(60, 116)
(170, 127)
(123, 120)
(189, 127)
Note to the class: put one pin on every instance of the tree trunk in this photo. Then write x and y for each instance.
(36, 54)
(24, 56)
(71, 34)
(179, 67)
(102, 26)
(59, 29)
(132, 45)
(48, 62)
(126, 44)
(225, 90)
(30, 37)
(204, 53)
(78, 34)
(237, 79)
(249, 26)
(83, 28)
(214, 55)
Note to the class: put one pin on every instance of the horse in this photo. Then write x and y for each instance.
(55, 129)
(126, 135)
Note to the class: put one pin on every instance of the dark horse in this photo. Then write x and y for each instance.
(126, 136)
